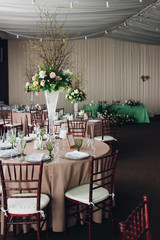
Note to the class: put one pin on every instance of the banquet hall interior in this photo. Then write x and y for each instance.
(70, 72)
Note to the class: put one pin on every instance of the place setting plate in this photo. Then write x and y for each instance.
(8, 153)
(26, 138)
(76, 155)
(4, 145)
(37, 157)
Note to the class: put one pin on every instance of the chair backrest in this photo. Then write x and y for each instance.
(36, 115)
(60, 110)
(7, 116)
(89, 113)
(102, 172)
(42, 124)
(137, 224)
(108, 128)
(18, 178)
(77, 127)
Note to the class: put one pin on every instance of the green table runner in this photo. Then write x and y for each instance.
(139, 113)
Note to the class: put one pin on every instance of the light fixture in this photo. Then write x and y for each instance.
(85, 37)
(107, 4)
(106, 32)
(71, 5)
(17, 36)
(140, 0)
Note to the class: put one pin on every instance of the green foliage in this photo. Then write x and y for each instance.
(76, 95)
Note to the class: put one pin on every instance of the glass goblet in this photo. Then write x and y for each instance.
(12, 140)
(23, 145)
(78, 143)
(49, 146)
(21, 134)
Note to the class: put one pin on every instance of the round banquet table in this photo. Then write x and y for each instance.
(60, 176)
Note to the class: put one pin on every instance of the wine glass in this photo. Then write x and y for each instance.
(93, 147)
(49, 145)
(78, 143)
(23, 145)
(56, 151)
(21, 134)
(12, 140)
(88, 142)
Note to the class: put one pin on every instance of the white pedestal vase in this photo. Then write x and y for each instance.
(75, 109)
(32, 95)
(51, 102)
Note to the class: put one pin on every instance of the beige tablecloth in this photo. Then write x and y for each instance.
(62, 175)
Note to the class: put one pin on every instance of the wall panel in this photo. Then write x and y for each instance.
(112, 68)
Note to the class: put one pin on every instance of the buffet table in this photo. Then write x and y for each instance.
(59, 176)
(139, 113)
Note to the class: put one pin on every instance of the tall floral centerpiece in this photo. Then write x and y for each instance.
(51, 82)
(76, 95)
(53, 52)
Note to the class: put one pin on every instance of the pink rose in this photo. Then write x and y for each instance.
(36, 93)
(52, 75)
(59, 78)
(35, 83)
(33, 78)
(70, 97)
(28, 84)
(42, 83)
(76, 91)
(42, 74)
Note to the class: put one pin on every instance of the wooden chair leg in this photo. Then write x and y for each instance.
(38, 225)
(90, 221)
(47, 222)
(5, 228)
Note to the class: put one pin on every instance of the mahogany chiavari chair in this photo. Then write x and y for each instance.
(8, 121)
(137, 225)
(89, 113)
(108, 133)
(97, 193)
(23, 202)
(77, 127)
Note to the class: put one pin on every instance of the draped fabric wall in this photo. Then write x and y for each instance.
(113, 71)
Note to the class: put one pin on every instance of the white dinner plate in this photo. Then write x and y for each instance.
(8, 153)
(37, 157)
(77, 155)
(5, 146)
(28, 139)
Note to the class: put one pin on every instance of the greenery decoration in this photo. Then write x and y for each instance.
(132, 102)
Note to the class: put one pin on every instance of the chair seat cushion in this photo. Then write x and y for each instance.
(105, 138)
(13, 125)
(81, 194)
(26, 205)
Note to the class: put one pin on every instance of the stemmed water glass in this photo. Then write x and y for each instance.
(56, 150)
(93, 147)
(78, 142)
(21, 134)
(22, 145)
(49, 145)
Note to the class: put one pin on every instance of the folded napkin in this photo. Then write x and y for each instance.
(27, 139)
(37, 157)
(94, 121)
(77, 155)
(5, 145)
(8, 153)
